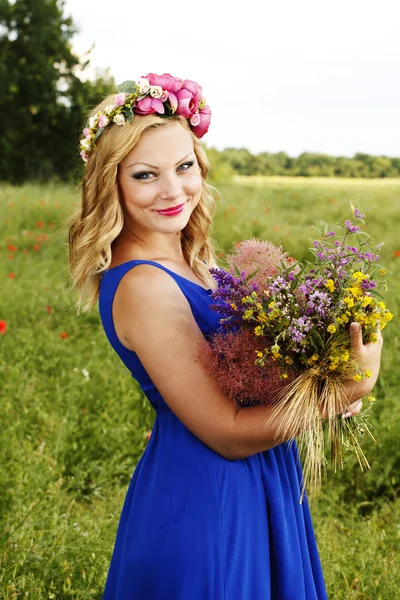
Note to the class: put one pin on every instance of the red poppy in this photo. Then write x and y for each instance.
(396, 254)
(49, 309)
(11, 275)
(10, 256)
(36, 247)
(9, 239)
(38, 238)
(12, 248)
(45, 236)
(3, 327)
(63, 335)
(148, 434)
(40, 224)
(25, 251)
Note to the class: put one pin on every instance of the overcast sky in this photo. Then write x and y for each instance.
(290, 75)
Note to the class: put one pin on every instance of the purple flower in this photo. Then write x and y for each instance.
(357, 214)
(350, 227)
(330, 234)
(337, 243)
(367, 284)
(319, 302)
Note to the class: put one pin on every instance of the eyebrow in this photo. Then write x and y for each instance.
(154, 166)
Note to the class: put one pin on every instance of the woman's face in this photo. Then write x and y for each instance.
(160, 172)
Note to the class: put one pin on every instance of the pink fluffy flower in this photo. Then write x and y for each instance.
(204, 123)
(253, 254)
(230, 357)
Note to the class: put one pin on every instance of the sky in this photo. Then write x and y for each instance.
(291, 75)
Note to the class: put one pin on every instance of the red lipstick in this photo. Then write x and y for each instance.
(174, 210)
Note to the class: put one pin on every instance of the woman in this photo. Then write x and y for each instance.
(213, 509)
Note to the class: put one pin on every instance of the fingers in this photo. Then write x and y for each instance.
(354, 409)
(356, 342)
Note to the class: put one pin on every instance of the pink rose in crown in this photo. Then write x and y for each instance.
(204, 122)
(169, 84)
(166, 81)
(149, 106)
(189, 97)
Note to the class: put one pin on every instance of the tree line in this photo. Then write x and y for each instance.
(44, 97)
(309, 164)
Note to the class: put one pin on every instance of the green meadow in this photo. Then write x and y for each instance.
(74, 423)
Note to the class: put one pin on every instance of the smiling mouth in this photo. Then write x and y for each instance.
(172, 209)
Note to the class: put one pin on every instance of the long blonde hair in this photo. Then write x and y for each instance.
(99, 219)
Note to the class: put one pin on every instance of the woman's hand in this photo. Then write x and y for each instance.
(367, 356)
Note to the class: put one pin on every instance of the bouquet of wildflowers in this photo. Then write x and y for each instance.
(284, 336)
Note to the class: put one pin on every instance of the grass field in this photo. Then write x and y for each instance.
(74, 423)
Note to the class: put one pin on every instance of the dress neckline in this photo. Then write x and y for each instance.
(207, 290)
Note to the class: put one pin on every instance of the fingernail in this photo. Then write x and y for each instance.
(347, 415)
(355, 326)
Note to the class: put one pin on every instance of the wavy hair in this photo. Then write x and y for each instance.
(99, 219)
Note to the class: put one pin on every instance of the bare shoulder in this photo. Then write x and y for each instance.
(160, 326)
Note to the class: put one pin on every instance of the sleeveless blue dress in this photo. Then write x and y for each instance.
(196, 526)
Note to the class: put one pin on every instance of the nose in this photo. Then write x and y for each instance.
(170, 187)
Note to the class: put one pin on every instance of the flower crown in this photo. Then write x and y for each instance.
(154, 94)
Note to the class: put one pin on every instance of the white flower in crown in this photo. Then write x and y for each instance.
(93, 121)
(109, 108)
(144, 85)
(85, 143)
(156, 91)
(119, 119)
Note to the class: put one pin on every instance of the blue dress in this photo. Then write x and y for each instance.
(196, 526)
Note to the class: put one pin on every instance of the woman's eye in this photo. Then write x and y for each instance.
(142, 175)
(187, 165)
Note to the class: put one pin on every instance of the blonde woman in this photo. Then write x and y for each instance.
(213, 510)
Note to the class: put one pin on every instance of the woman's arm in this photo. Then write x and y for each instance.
(158, 323)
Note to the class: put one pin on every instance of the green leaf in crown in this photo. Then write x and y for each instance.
(129, 87)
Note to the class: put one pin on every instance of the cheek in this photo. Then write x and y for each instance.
(193, 184)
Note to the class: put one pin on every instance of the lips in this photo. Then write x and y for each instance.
(172, 209)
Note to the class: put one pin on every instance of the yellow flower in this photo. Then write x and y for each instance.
(259, 354)
(382, 272)
(275, 349)
(248, 313)
(245, 299)
(271, 305)
(259, 306)
(233, 305)
(358, 377)
(367, 373)
(371, 399)
(258, 330)
(349, 301)
(345, 356)
(373, 337)
(366, 301)
(331, 328)
(358, 276)
(288, 360)
(330, 285)
(284, 375)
